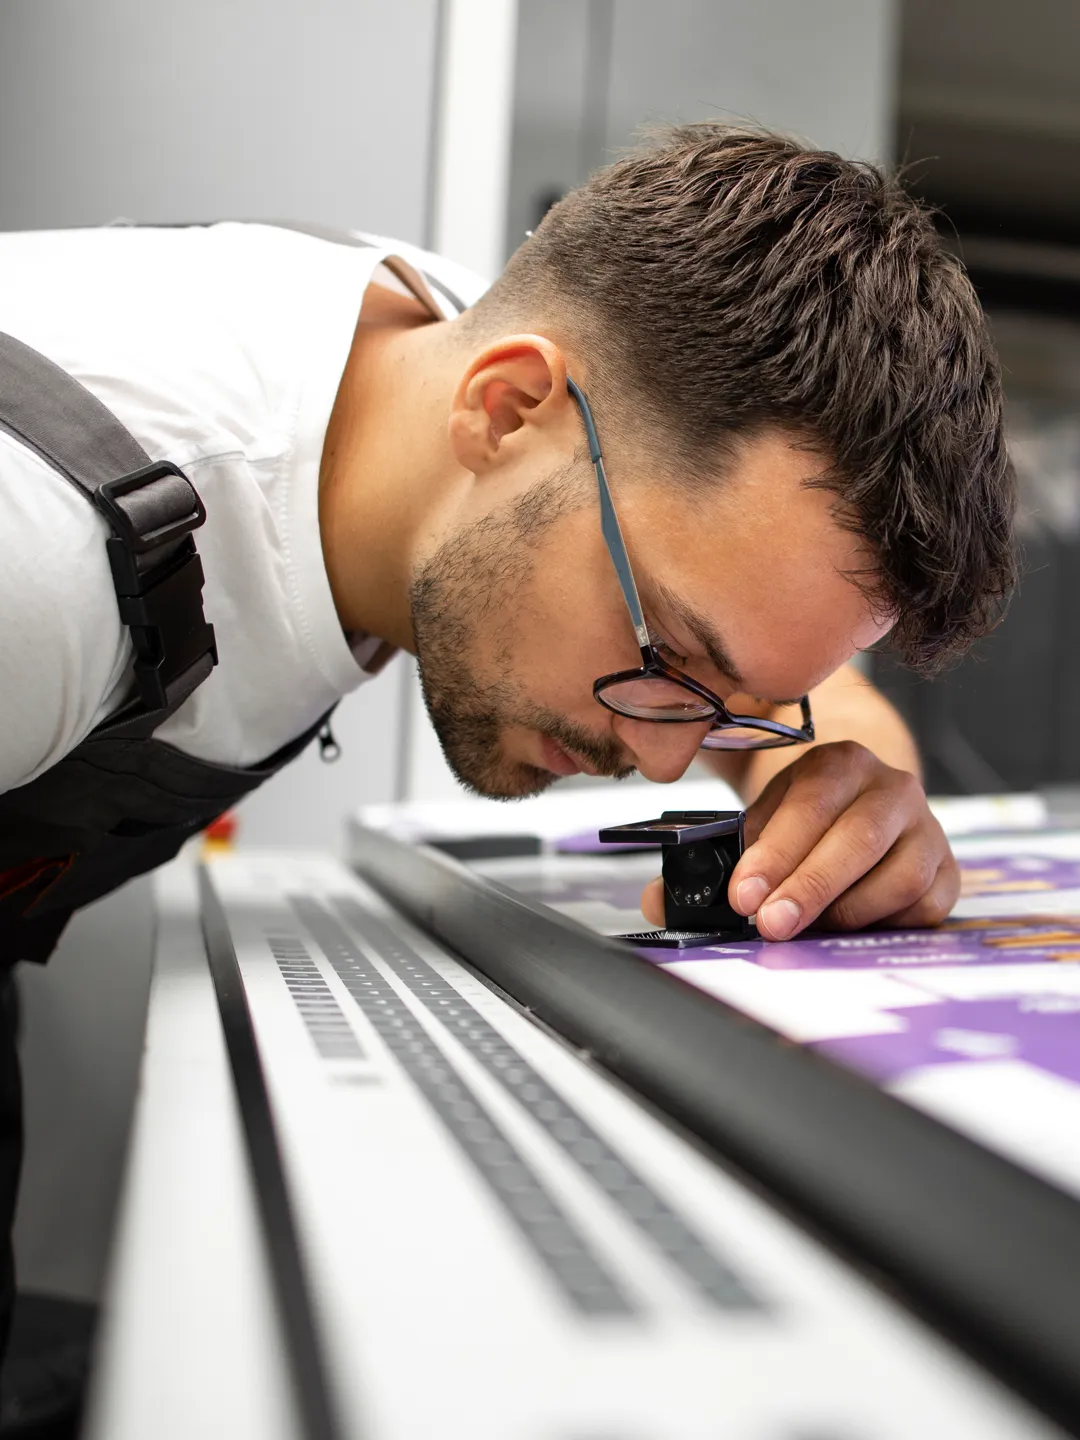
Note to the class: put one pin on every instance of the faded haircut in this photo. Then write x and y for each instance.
(722, 280)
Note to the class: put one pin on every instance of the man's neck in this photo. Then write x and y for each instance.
(384, 461)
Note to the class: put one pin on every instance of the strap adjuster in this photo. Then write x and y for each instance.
(159, 578)
(167, 513)
(168, 628)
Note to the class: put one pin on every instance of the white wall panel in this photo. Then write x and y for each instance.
(591, 73)
(313, 110)
(824, 69)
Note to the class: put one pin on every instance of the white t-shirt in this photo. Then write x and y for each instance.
(221, 349)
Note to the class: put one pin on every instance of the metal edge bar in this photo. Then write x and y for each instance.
(987, 1251)
(294, 1297)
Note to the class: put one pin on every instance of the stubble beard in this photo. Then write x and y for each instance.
(466, 600)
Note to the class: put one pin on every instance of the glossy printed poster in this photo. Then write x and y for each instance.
(977, 1022)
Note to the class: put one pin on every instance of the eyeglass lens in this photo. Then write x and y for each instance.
(652, 697)
(739, 737)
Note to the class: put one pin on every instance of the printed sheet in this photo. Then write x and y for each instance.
(977, 1022)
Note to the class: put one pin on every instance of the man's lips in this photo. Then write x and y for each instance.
(556, 759)
(561, 762)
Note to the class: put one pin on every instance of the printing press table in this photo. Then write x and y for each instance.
(417, 1155)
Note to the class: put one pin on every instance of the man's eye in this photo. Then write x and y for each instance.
(663, 648)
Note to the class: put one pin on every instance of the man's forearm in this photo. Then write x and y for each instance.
(845, 707)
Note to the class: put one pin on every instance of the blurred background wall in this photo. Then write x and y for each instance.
(590, 76)
(159, 112)
(455, 123)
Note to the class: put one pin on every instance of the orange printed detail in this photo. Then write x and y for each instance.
(1052, 937)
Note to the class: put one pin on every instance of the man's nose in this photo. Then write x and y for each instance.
(660, 752)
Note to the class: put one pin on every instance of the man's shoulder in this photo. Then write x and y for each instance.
(201, 340)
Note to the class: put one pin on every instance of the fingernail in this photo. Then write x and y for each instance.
(751, 892)
(780, 917)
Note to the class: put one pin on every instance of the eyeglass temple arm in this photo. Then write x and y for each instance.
(609, 523)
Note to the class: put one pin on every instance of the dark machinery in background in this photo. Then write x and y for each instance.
(1008, 716)
(998, 123)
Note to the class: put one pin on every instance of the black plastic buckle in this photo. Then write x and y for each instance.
(168, 628)
(107, 497)
(161, 602)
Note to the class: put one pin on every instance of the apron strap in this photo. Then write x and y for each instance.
(152, 510)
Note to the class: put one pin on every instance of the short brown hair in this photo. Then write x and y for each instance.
(728, 279)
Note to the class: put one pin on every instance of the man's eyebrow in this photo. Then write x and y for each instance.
(703, 631)
(711, 641)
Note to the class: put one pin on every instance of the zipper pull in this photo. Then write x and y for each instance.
(329, 749)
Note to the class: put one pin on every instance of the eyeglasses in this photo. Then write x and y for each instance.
(657, 691)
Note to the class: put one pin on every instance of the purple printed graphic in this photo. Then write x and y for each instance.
(1040, 1028)
(1019, 874)
(1042, 1032)
(992, 941)
(993, 989)
(1006, 941)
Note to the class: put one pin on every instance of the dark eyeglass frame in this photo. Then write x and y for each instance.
(773, 733)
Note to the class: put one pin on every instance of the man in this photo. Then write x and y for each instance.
(800, 416)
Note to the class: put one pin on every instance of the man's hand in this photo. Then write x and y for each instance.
(840, 838)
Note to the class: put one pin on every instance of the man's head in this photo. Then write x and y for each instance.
(801, 414)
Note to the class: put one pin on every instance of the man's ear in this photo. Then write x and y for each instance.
(513, 386)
